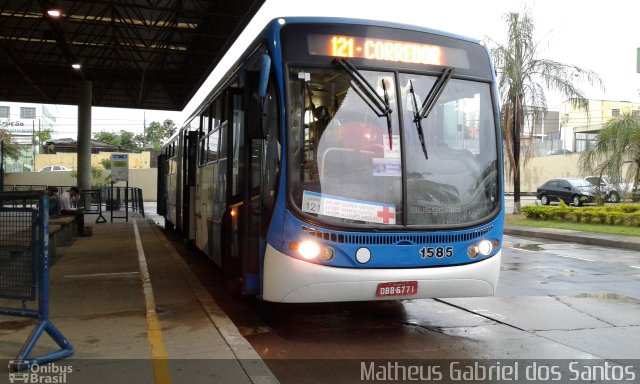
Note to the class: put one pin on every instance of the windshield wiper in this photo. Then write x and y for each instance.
(418, 120)
(435, 93)
(366, 91)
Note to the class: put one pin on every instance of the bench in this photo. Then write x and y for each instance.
(62, 229)
(17, 240)
(68, 228)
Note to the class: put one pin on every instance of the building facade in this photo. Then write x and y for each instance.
(556, 151)
(579, 128)
(540, 133)
(24, 122)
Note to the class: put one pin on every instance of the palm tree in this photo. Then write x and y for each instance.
(618, 144)
(522, 80)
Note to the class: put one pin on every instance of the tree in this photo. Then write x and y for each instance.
(107, 137)
(43, 135)
(130, 141)
(618, 143)
(156, 134)
(522, 81)
(106, 163)
(11, 150)
(124, 139)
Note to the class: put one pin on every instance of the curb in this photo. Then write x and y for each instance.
(254, 367)
(588, 238)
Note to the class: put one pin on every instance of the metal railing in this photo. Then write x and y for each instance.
(91, 203)
(99, 199)
(24, 271)
(128, 198)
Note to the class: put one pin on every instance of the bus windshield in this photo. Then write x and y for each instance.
(350, 166)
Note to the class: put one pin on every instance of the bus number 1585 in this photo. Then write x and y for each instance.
(439, 252)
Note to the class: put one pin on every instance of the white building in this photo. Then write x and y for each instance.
(24, 121)
(580, 128)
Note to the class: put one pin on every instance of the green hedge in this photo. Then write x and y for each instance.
(623, 214)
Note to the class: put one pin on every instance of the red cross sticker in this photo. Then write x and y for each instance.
(387, 215)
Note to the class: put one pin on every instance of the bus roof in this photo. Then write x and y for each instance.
(215, 78)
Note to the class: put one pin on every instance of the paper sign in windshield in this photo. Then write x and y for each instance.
(394, 151)
(386, 167)
(344, 208)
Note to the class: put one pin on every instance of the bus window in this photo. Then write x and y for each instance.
(458, 176)
(237, 180)
(214, 141)
(340, 146)
(224, 131)
(206, 121)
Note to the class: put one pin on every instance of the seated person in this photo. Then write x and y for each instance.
(73, 194)
(54, 201)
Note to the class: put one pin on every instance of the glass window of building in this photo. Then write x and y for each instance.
(615, 112)
(4, 112)
(585, 141)
(27, 113)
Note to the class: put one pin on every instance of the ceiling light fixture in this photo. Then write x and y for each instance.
(54, 12)
(76, 66)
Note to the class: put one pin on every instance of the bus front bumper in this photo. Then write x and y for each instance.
(289, 280)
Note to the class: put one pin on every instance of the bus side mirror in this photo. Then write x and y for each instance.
(258, 80)
(265, 68)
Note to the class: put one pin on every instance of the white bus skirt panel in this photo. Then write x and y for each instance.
(289, 280)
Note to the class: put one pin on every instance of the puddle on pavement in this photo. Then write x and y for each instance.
(466, 332)
(528, 247)
(250, 331)
(608, 296)
(562, 273)
(511, 267)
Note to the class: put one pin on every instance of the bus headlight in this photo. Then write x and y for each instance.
(327, 254)
(309, 249)
(473, 251)
(485, 247)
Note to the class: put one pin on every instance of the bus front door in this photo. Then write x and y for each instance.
(242, 233)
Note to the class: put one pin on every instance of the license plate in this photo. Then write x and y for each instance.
(400, 288)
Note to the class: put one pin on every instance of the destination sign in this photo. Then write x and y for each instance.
(386, 50)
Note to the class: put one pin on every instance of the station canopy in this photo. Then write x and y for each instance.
(147, 54)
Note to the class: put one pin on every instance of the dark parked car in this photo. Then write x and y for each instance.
(571, 190)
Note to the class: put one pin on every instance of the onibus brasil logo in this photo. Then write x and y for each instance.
(33, 373)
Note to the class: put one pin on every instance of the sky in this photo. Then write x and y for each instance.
(110, 120)
(600, 36)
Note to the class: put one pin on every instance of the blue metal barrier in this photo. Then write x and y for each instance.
(24, 270)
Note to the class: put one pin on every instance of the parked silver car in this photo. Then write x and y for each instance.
(611, 192)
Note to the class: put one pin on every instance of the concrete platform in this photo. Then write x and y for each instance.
(134, 313)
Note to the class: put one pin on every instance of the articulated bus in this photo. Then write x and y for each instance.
(345, 160)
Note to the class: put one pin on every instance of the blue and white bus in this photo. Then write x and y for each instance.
(345, 160)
